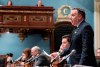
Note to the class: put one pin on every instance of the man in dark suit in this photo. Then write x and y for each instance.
(82, 40)
(39, 58)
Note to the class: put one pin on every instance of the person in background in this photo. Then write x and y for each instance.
(64, 45)
(26, 54)
(82, 40)
(65, 42)
(9, 58)
(40, 59)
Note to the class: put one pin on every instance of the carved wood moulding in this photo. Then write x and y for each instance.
(16, 18)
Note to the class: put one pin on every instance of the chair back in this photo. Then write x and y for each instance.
(3, 61)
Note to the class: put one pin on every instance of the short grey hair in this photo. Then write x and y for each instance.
(37, 48)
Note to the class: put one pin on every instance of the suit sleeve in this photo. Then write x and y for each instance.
(87, 44)
(42, 60)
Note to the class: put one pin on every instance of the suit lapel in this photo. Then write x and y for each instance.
(76, 31)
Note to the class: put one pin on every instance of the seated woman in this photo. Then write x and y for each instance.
(26, 54)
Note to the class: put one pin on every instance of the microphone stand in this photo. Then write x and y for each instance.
(55, 62)
(30, 62)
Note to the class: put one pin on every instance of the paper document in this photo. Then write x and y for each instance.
(45, 53)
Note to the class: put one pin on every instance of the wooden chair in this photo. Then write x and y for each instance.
(3, 61)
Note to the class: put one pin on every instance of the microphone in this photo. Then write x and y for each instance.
(18, 59)
(59, 53)
(30, 59)
(65, 57)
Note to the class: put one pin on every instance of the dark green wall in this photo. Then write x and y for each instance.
(11, 42)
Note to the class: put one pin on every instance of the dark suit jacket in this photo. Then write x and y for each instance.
(42, 60)
(82, 40)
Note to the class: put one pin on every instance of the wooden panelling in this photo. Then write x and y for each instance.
(27, 18)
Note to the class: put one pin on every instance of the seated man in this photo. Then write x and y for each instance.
(65, 45)
(40, 59)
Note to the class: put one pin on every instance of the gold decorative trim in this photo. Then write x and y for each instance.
(25, 18)
(11, 18)
(37, 18)
(17, 11)
(50, 18)
(64, 7)
(63, 16)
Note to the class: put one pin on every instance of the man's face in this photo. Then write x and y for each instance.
(33, 52)
(74, 17)
(65, 44)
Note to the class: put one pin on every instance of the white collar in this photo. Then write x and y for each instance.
(79, 23)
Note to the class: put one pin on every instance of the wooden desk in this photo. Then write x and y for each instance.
(15, 65)
(56, 64)
(27, 16)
